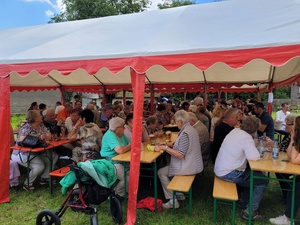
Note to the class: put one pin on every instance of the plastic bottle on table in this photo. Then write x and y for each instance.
(275, 151)
(261, 147)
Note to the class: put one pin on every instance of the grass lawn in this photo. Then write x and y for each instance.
(25, 206)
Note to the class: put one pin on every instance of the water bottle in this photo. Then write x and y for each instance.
(275, 151)
(261, 147)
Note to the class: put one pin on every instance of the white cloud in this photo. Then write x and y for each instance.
(57, 4)
(49, 13)
(60, 5)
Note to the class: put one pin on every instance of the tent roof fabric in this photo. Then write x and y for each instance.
(222, 44)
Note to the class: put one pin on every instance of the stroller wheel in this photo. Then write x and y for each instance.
(94, 220)
(47, 217)
(116, 209)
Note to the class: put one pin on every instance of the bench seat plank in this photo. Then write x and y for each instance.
(181, 183)
(61, 172)
(224, 189)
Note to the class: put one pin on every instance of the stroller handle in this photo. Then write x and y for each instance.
(68, 158)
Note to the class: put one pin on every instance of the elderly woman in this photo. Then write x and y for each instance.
(128, 128)
(152, 124)
(90, 136)
(231, 164)
(186, 158)
(39, 163)
(115, 142)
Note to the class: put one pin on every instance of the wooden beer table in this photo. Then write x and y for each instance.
(39, 150)
(281, 165)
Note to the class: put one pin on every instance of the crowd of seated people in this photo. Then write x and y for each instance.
(108, 131)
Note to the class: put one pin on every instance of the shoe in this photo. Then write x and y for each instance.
(180, 196)
(255, 215)
(169, 204)
(44, 181)
(28, 188)
(281, 220)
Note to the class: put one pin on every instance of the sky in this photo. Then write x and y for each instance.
(22, 13)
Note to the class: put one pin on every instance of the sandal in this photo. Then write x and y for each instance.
(28, 188)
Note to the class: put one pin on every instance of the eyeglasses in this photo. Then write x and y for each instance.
(289, 124)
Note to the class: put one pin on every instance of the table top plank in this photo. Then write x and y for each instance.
(146, 155)
(52, 144)
(266, 164)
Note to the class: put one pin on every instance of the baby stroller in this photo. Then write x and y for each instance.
(81, 199)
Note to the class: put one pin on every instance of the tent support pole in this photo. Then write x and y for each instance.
(270, 100)
(124, 98)
(205, 94)
(152, 103)
(5, 131)
(63, 94)
(104, 96)
(219, 96)
(138, 88)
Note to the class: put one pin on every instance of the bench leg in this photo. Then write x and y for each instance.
(174, 197)
(215, 210)
(190, 201)
(233, 212)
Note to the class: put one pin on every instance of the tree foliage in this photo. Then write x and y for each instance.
(173, 4)
(86, 9)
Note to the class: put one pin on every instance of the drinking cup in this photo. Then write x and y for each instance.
(152, 139)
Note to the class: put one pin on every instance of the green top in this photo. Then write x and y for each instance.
(109, 141)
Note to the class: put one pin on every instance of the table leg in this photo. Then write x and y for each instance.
(250, 198)
(293, 199)
(28, 162)
(125, 180)
(51, 161)
(155, 185)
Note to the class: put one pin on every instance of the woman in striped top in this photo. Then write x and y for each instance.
(186, 158)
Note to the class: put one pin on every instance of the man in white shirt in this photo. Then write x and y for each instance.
(280, 118)
(231, 164)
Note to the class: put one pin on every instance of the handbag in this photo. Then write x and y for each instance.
(33, 141)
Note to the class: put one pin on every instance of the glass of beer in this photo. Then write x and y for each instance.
(152, 139)
(168, 136)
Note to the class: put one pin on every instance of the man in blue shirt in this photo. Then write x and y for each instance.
(267, 123)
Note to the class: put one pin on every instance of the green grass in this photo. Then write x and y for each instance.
(24, 206)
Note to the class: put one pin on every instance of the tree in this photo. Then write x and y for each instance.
(173, 4)
(86, 9)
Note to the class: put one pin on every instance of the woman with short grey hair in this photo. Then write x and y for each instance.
(186, 158)
(250, 124)
(115, 142)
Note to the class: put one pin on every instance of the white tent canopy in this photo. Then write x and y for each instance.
(202, 43)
